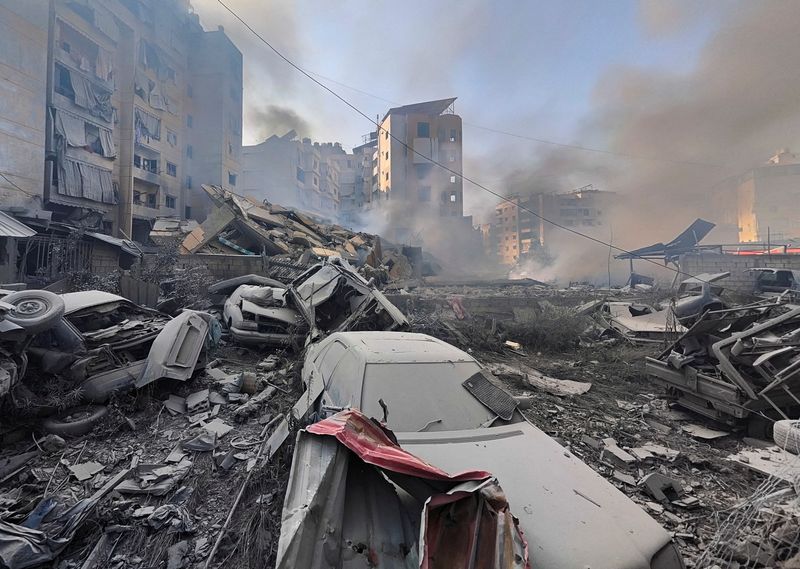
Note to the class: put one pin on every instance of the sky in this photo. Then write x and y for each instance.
(680, 93)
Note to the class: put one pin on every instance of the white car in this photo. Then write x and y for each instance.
(439, 404)
(258, 315)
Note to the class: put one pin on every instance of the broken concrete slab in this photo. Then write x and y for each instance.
(701, 432)
(176, 405)
(662, 488)
(197, 401)
(85, 470)
(218, 427)
(615, 456)
(560, 387)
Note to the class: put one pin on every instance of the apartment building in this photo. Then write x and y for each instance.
(410, 137)
(133, 91)
(294, 173)
(766, 201)
(520, 230)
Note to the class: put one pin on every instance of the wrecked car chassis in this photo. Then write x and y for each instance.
(730, 365)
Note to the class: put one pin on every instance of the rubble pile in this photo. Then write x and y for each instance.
(291, 239)
(192, 470)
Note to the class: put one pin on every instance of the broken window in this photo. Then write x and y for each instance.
(425, 194)
(64, 82)
(189, 182)
(170, 201)
(453, 135)
(423, 130)
(172, 169)
(189, 121)
(151, 201)
(189, 151)
(301, 175)
(452, 179)
(172, 138)
(137, 197)
(187, 212)
(231, 178)
(453, 197)
(189, 91)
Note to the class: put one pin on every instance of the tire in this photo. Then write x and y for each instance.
(786, 435)
(34, 310)
(76, 421)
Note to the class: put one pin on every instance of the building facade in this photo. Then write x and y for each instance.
(409, 139)
(767, 199)
(139, 107)
(519, 229)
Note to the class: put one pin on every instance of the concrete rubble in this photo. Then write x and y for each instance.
(128, 447)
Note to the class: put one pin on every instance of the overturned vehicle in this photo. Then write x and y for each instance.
(445, 412)
(101, 343)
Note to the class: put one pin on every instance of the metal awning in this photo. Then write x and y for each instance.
(11, 227)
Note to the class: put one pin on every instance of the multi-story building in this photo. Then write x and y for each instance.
(520, 228)
(139, 102)
(23, 86)
(767, 199)
(294, 173)
(409, 139)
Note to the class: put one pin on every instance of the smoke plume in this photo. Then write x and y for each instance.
(275, 119)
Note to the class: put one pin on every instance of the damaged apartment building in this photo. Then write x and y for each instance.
(321, 178)
(516, 232)
(127, 107)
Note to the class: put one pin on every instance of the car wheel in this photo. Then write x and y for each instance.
(34, 310)
(76, 421)
(786, 434)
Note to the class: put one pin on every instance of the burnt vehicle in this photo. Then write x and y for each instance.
(771, 282)
(22, 315)
(332, 297)
(637, 322)
(104, 343)
(443, 407)
(696, 295)
(258, 315)
(737, 363)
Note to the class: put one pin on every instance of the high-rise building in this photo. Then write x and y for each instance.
(137, 107)
(409, 139)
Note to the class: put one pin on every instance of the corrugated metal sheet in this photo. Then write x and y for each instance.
(10, 227)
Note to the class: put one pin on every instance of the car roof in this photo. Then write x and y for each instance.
(399, 347)
(75, 301)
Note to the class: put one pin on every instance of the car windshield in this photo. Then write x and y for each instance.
(423, 396)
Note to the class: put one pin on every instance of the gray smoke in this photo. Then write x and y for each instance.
(274, 119)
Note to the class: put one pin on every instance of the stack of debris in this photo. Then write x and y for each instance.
(243, 226)
(737, 362)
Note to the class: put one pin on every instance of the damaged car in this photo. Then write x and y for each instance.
(105, 343)
(697, 295)
(22, 315)
(258, 315)
(444, 408)
(771, 282)
(332, 297)
(637, 322)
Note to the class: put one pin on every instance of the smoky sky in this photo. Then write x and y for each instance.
(681, 94)
(274, 119)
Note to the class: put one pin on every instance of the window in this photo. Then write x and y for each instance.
(137, 160)
(64, 82)
(451, 158)
(189, 182)
(231, 178)
(423, 130)
(189, 121)
(452, 179)
(137, 197)
(170, 201)
(424, 194)
(189, 151)
(172, 170)
(301, 175)
(586, 212)
(453, 135)
(316, 182)
(386, 155)
(386, 176)
(452, 197)
(149, 164)
(172, 138)
(187, 212)
(189, 91)
(151, 201)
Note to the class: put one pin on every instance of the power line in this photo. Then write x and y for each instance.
(535, 139)
(444, 167)
(16, 186)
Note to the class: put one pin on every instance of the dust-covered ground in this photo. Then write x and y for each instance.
(621, 404)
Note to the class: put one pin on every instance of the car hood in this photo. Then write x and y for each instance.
(75, 301)
(571, 517)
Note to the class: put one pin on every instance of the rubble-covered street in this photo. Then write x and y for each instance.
(192, 472)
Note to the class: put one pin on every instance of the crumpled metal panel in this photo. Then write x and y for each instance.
(369, 507)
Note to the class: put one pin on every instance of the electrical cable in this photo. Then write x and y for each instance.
(443, 166)
(16, 186)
